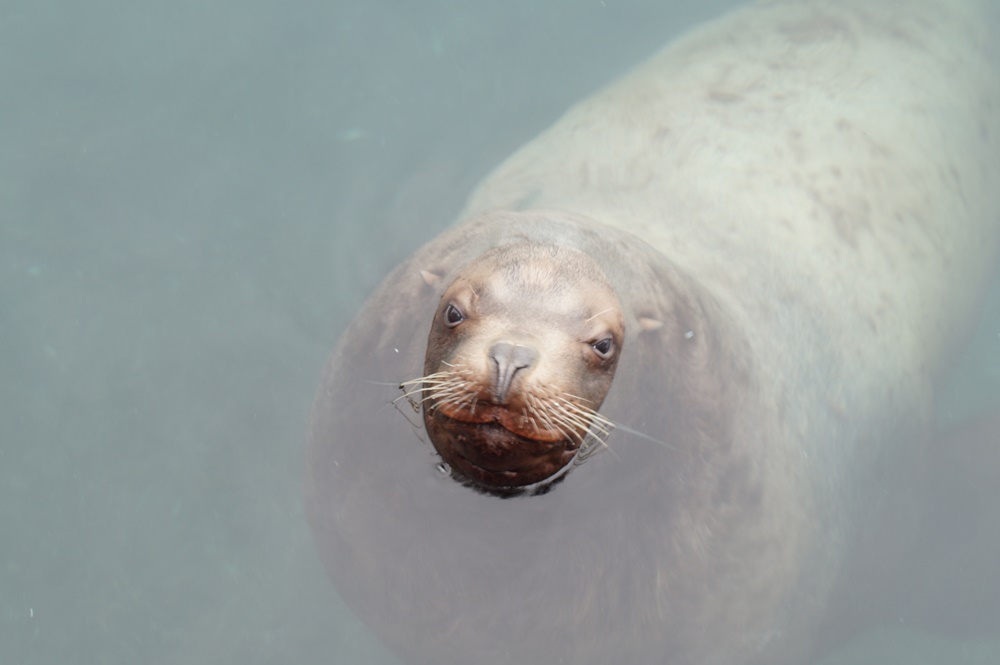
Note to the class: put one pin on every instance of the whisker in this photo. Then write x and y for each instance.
(593, 418)
(647, 437)
(576, 397)
(599, 313)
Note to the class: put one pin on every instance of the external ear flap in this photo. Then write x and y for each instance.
(432, 279)
(648, 323)
(397, 318)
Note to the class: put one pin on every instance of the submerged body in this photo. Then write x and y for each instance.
(797, 211)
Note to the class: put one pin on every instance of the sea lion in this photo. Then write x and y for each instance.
(784, 224)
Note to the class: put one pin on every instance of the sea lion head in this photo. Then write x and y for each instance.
(521, 353)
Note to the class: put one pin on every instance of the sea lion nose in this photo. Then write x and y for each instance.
(509, 359)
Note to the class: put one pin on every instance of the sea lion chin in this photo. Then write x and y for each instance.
(521, 353)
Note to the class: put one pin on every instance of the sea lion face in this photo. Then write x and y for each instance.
(520, 356)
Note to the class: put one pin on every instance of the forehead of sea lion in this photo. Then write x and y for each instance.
(519, 287)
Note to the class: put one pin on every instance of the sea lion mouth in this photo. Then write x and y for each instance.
(488, 414)
(489, 454)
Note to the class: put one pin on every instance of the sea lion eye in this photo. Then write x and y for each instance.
(452, 316)
(603, 347)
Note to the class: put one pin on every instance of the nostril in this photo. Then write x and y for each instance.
(508, 359)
